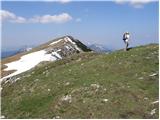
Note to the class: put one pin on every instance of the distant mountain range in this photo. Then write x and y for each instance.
(8, 53)
(99, 48)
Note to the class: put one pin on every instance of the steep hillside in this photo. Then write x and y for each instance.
(87, 85)
(51, 51)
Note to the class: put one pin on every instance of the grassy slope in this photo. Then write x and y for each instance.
(123, 78)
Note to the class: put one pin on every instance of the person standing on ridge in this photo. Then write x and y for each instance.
(126, 37)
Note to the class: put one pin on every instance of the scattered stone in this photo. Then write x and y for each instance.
(105, 100)
(79, 60)
(16, 79)
(49, 90)
(105, 89)
(155, 102)
(141, 78)
(97, 74)
(36, 80)
(28, 75)
(67, 98)
(84, 101)
(146, 98)
(154, 74)
(69, 70)
(56, 117)
(67, 83)
(147, 57)
(82, 64)
(2, 117)
(24, 89)
(95, 86)
(6, 81)
(153, 112)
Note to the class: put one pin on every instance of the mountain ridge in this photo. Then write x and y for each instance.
(53, 50)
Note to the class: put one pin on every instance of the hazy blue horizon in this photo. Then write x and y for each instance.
(34, 23)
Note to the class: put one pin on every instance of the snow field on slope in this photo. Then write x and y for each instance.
(29, 61)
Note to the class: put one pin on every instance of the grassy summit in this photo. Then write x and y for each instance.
(87, 85)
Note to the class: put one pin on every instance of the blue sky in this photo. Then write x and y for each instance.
(34, 23)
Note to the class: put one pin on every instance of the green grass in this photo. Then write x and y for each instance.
(123, 79)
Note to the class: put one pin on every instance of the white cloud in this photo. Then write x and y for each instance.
(11, 17)
(59, 1)
(78, 20)
(64, 1)
(19, 20)
(4, 15)
(135, 3)
(61, 18)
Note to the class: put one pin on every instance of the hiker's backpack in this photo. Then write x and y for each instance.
(124, 36)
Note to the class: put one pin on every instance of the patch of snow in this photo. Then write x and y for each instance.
(28, 61)
(59, 50)
(57, 55)
(55, 42)
(67, 47)
(68, 39)
(155, 102)
(153, 111)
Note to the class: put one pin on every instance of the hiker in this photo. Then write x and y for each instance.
(126, 39)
